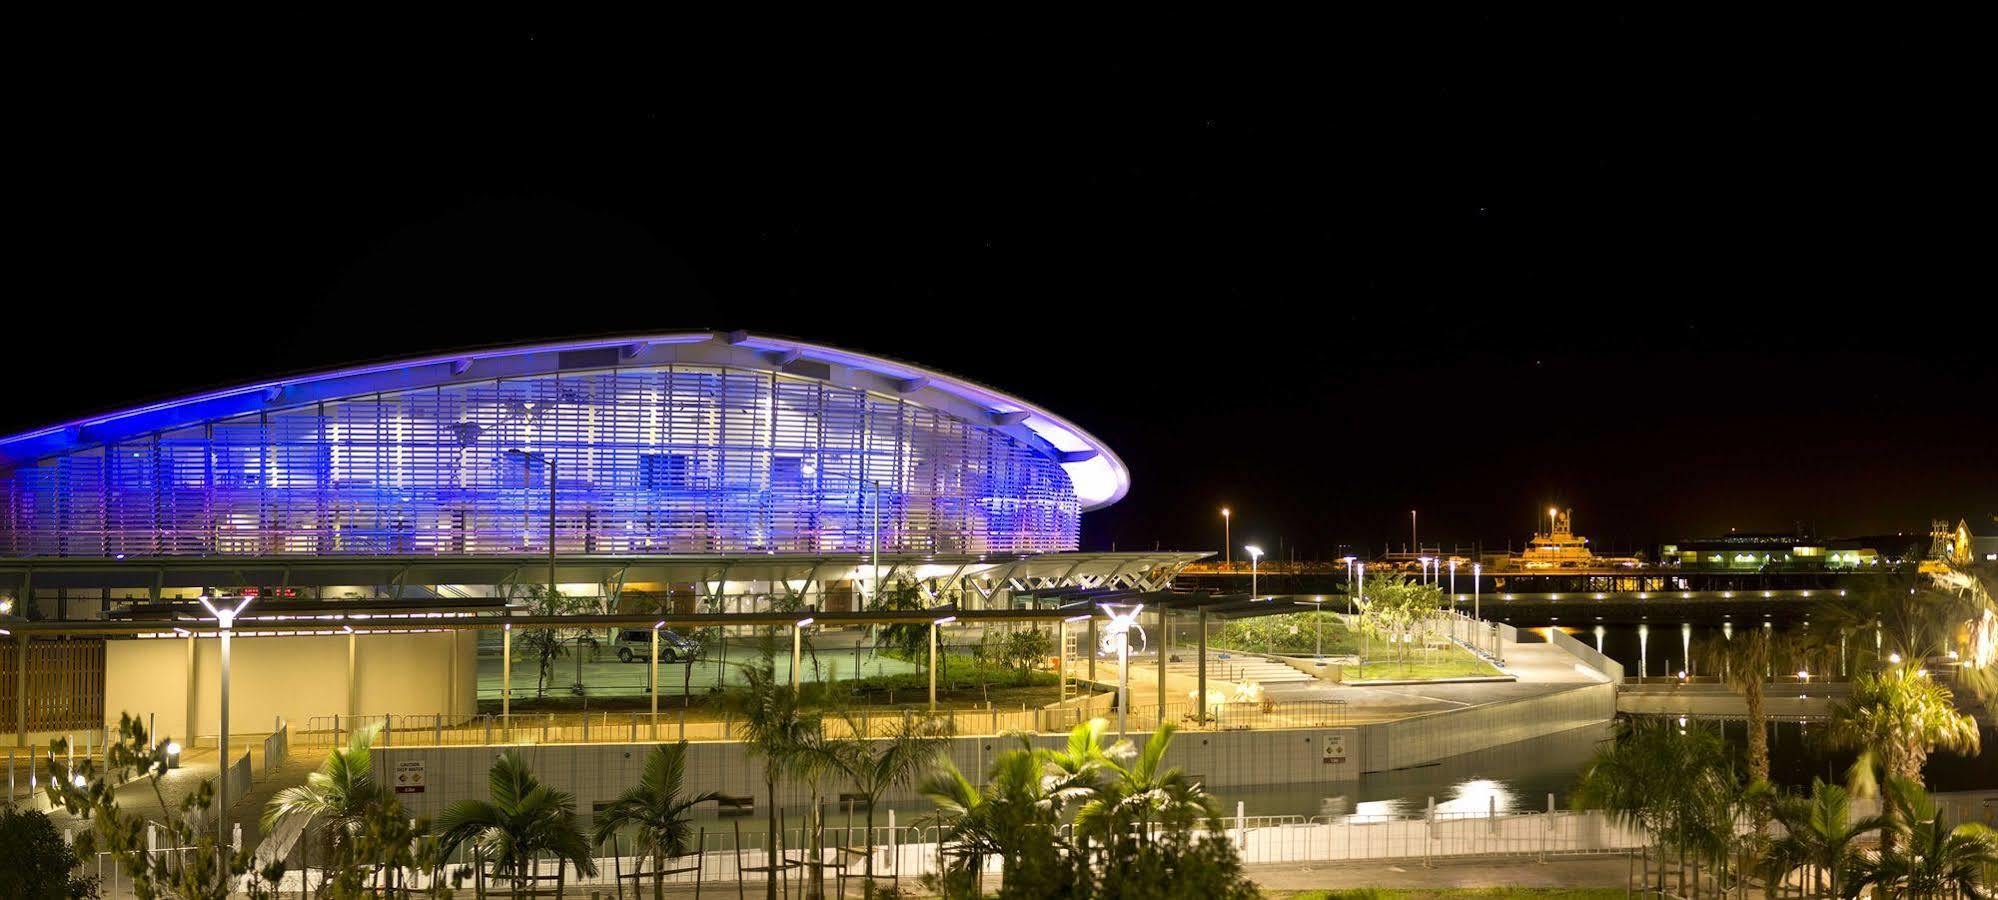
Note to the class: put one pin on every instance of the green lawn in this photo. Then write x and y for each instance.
(1449, 662)
(1505, 893)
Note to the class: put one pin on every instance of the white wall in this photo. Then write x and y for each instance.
(297, 677)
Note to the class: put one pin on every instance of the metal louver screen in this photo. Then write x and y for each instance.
(680, 459)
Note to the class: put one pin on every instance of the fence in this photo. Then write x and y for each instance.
(617, 727)
(276, 748)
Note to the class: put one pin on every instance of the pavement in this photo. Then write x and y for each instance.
(1540, 669)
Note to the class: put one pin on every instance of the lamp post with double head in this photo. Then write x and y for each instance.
(225, 621)
(1124, 620)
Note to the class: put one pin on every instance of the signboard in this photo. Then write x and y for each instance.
(1335, 748)
(409, 776)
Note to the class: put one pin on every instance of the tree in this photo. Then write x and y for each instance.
(875, 767)
(1900, 715)
(1026, 650)
(522, 820)
(1928, 858)
(204, 871)
(1392, 606)
(656, 810)
(1743, 661)
(775, 729)
(1821, 836)
(37, 861)
(337, 797)
(1145, 830)
(544, 643)
(1675, 783)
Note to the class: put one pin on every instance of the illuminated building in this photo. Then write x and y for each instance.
(666, 444)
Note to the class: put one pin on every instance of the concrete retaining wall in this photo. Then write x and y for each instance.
(1227, 759)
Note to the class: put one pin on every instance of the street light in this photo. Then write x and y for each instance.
(225, 620)
(1318, 603)
(1453, 584)
(1255, 555)
(1227, 540)
(1477, 573)
(1424, 560)
(1123, 619)
(797, 647)
(653, 682)
(946, 620)
(1551, 512)
(1349, 581)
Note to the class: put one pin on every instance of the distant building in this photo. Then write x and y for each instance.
(1756, 551)
(1972, 540)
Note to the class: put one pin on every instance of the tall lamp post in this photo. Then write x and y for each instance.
(1255, 555)
(1227, 539)
(1453, 585)
(798, 646)
(652, 683)
(1425, 569)
(1123, 619)
(946, 620)
(1349, 582)
(225, 620)
(1477, 576)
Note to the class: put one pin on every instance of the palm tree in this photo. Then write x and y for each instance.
(1139, 792)
(1821, 836)
(1744, 661)
(337, 797)
(523, 820)
(775, 729)
(656, 810)
(877, 767)
(1013, 817)
(1902, 715)
(1928, 859)
(1675, 783)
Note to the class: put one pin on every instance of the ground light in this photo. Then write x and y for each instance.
(225, 620)
(1255, 555)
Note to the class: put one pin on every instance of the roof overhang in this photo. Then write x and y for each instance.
(1098, 476)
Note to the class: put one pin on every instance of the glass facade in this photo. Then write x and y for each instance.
(659, 460)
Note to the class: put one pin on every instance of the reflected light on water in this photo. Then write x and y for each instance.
(1477, 796)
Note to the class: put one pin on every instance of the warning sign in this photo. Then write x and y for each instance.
(409, 776)
(1335, 748)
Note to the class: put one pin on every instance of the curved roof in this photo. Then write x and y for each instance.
(1099, 477)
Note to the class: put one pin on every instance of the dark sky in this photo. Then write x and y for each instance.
(1682, 275)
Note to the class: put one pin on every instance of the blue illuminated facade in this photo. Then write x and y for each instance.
(675, 444)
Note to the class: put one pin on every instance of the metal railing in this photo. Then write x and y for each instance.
(610, 727)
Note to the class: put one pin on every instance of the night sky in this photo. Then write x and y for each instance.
(1681, 276)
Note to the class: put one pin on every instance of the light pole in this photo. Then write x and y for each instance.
(1414, 546)
(1477, 572)
(1551, 511)
(1255, 555)
(1349, 582)
(1227, 540)
(1123, 618)
(225, 620)
(653, 681)
(946, 620)
(1453, 585)
(798, 645)
(1424, 560)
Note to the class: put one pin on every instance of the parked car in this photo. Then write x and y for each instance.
(634, 643)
